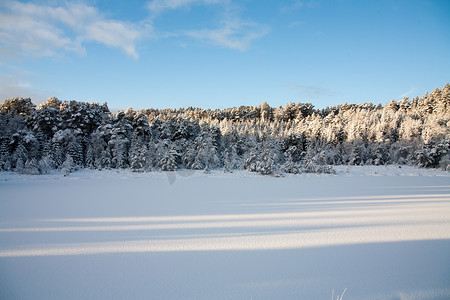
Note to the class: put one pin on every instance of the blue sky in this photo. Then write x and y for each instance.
(223, 53)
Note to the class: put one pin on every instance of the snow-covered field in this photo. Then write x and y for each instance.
(379, 232)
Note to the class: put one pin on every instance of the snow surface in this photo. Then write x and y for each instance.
(380, 232)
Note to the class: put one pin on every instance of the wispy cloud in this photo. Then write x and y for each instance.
(229, 31)
(296, 5)
(295, 24)
(408, 93)
(158, 6)
(115, 34)
(30, 29)
(12, 86)
(292, 6)
(309, 91)
(234, 34)
(40, 30)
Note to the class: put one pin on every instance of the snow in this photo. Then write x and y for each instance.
(380, 232)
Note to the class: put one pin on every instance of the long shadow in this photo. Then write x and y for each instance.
(401, 270)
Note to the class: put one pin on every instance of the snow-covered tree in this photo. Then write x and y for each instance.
(32, 167)
(68, 165)
(166, 156)
(293, 138)
(270, 157)
(18, 106)
(45, 165)
(291, 164)
(206, 158)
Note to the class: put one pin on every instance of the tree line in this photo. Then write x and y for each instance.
(70, 135)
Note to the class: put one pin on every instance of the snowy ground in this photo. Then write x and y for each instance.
(380, 232)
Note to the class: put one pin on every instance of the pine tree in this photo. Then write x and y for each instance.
(75, 150)
(68, 165)
(32, 167)
(90, 157)
(296, 137)
(269, 159)
(252, 162)
(45, 164)
(207, 158)
(18, 106)
(230, 159)
(140, 159)
(190, 154)
(5, 157)
(290, 163)
(20, 166)
(105, 160)
(20, 156)
(167, 161)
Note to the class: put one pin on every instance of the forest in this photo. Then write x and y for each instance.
(296, 138)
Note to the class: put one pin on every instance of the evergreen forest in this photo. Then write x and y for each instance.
(296, 138)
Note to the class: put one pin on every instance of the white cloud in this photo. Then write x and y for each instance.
(309, 91)
(13, 87)
(234, 34)
(408, 93)
(292, 6)
(39, 30)
(296, 5)
(114, 34)
(21, 31)
(158, 6)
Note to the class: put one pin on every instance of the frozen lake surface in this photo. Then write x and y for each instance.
(379, 232)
